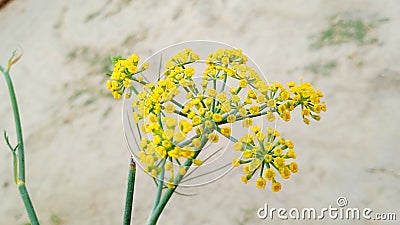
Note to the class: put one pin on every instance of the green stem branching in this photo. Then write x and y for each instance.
(18, 151)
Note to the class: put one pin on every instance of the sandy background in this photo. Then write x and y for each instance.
(76, 156)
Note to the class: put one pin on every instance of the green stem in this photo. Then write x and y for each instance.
(163, 202)
(20, 146)
(15, 166)
(195, 90)
(223, 85)
(229, 137)
(15, 157)
(168, 193)
(213, 102)
(240, 118)
(176, 103)
(129, 193)
(28, 203)
(160, 184)
(159, 67)
(18, 129)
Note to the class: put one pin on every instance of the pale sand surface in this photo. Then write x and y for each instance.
(76, 156)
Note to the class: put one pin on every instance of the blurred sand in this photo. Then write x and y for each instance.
(76, 156)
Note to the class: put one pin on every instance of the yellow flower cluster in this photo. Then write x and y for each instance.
(288, 99)
(266, 153)
(180, 116)
(224, 57)
(159, 152)
(153, 97)
(123, 74)
(232, 63)
(187, 56)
